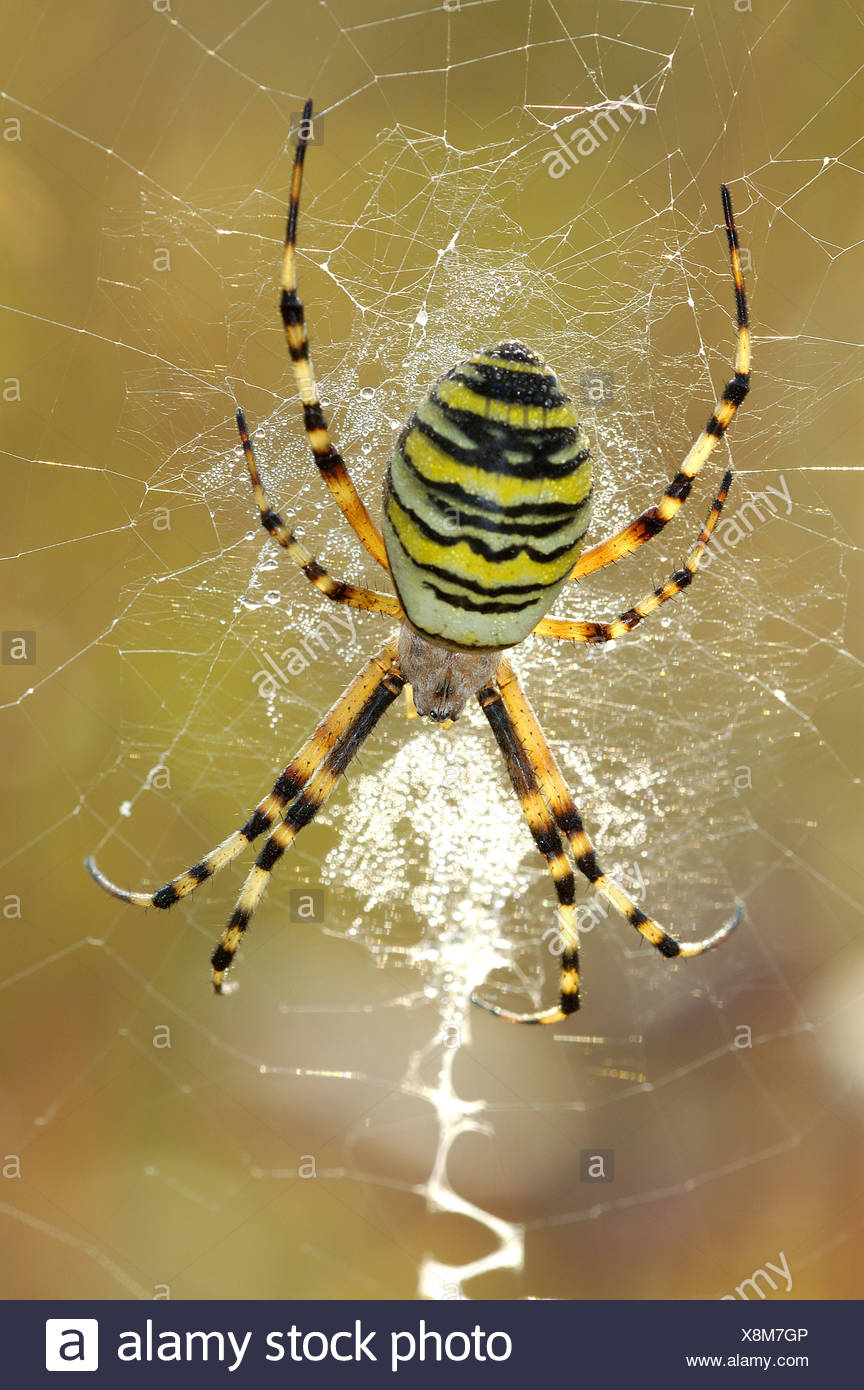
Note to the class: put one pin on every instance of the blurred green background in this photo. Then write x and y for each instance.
(156, 1141)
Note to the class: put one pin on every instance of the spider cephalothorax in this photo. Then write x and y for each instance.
(442, 679)
(486, 501)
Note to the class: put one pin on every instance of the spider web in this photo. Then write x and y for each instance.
(345, 1125)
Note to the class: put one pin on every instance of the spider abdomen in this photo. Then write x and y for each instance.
(487, 499)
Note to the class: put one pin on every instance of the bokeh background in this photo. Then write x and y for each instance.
(342, 1126)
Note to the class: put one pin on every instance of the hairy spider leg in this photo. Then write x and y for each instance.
(336, 589)
(647, 525)
(566, 631)
(331, 464)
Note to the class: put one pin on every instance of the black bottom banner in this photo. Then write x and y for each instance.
(482, 1344)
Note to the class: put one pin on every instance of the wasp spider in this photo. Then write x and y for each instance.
(486, 502)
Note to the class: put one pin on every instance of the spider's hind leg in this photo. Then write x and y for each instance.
(335, 753)
(332, 737)
(529, 735)
(552, 846)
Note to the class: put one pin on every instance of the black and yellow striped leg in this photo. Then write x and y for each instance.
(331, 464)
(536, 751)
(335, 589)
(654, 519)
(286, 789)
(302, 810)
(551, 845)
(566, 631)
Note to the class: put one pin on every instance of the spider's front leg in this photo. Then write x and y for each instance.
(328, 459)
(647, 525)
(563, 630)
(336, 589)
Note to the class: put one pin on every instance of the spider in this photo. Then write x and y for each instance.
(486, 501)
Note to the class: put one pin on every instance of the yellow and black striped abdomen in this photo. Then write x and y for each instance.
(487, 500)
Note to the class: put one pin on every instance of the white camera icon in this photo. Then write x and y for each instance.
(71, 1344)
